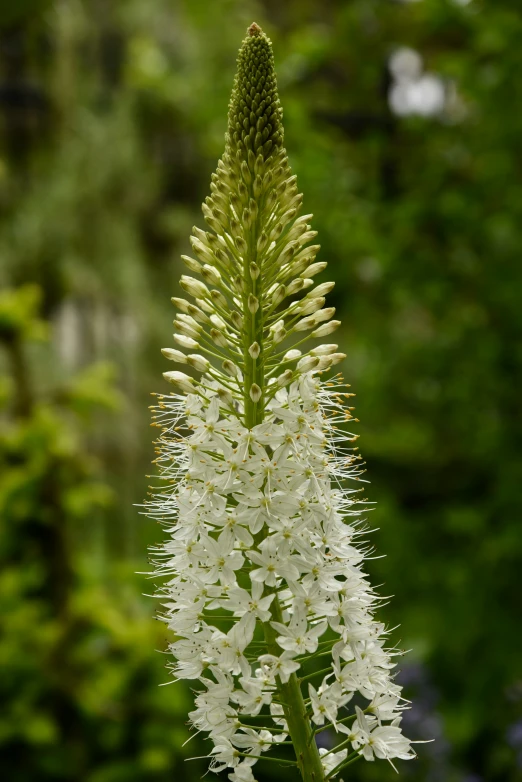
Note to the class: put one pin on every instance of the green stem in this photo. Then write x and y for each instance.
(265, 757)
(299, 726)
(290, 695)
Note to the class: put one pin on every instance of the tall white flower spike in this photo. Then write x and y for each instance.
(265, 594)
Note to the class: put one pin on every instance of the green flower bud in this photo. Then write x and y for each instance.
(218, 297)
(219, 338)
(308, 363)
(253, 303)
(186, 328)
(225, 396)
(324, 350)
(186, 342)
(254, 350)
(174, 355)
(322, 290)
(255, 393)
(218, 322)
(325, 329)
(192, 264)
(236, 319)
(198, 362)
(309, 306)
(180, 379)
(190, 322)
(285, 378)
(278, 295)
(325, 314)
(194, 287)
(230, 368)
(255, 114)
(314, 269)
(210, 274)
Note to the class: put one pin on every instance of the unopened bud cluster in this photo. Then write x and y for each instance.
(265, 585)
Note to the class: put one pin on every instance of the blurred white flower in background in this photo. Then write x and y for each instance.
(413, 92)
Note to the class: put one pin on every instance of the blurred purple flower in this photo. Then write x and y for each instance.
(326, 739)
(425, 723)
(514, 735)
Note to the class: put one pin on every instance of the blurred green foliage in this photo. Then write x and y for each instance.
(79, 685)
(113, 114)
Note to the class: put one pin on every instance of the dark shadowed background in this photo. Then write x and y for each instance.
(404, 126)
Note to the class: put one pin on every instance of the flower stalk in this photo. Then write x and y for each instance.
(297, 719)
(255, 464)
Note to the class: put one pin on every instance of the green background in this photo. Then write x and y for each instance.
(112, 115)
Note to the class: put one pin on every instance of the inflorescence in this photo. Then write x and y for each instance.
(263, 581)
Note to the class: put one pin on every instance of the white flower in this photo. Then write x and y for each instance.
(191, 654)
(220, 559)
(274, 563)
(311, 601)
(324, 705)
(326, 701)
(291, 532)
(224, 755)
(242, 772)
(331, 760)
(387, 741)
(215, 719)
(240, 601)
(253, 696)
(253, 742)
(277, 712)
(298, 637)
(386, 706)
(233, 530)
(296, 421)
(262, 506)
(282, 666)
(319, 569)
(382, 741)
(357, 733)
(230, 646)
